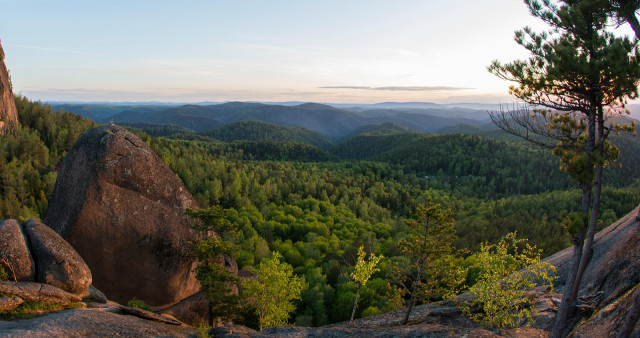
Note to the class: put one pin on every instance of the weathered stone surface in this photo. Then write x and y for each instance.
(10, 303)
(57, 263)
(91, 323)
(149, 315)
(611, 275)
(615, 264)
(192, 310)
(38, 292)
(608, 319)
(93, 295)
(14, 252)
(122, 209)
(8, 112)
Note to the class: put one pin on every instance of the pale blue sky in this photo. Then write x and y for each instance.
(187, 51)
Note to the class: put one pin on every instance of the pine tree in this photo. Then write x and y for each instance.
(578, 76)
(432, 273)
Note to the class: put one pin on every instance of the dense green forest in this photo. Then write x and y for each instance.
(316, 207)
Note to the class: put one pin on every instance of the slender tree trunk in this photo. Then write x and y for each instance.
(210, 313)
(355, 304)
(595, 206)
(632, 317)
(568, 298)
(413, 295)
(567, 303)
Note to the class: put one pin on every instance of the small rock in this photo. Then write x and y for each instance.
(10, 303)
(93, 295)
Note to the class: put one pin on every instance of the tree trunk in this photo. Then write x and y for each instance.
(567, 301)
(595, 206)
(210, 313)
(355, 304)
(631, 18)
(632, 317)
(413, 295)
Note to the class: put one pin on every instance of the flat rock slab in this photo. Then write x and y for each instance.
(149, 315)
(90, 323)
(37, 292)
(10, 303)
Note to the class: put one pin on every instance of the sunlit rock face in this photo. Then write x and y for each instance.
(122, 209)
(8, 112)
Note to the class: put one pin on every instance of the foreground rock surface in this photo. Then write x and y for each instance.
(90, 323)
(8, 112)
(122, 209)
(610, 277)
(38, 292)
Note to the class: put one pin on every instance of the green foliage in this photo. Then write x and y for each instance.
(433, 273)
(362, 272)
(217, 280)
(29, 158)
(364, 267)
(272, 290)
(203, 331)
(3, 274)
(28, 310)
(507, 270)
(139, 303)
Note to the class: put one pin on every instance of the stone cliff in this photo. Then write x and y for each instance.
(8, 112)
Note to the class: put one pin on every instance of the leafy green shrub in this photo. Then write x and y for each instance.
(3, 274)
(507, 269)
(139, 303)
(28, 310)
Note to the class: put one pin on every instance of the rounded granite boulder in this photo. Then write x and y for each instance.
(57, 262)
(14, 252)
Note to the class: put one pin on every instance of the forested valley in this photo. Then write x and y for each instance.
(316, 201)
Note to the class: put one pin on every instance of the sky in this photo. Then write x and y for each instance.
(346, 51)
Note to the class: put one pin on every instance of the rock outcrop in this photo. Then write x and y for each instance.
(122, 209)
(57, 263)
(15, 255)
(610, 278)
(8, 112)
(35, 253)
(93, 322)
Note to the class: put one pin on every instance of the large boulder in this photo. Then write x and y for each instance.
(8, 112)
(14, 252)
(122, 209)
(58, 264)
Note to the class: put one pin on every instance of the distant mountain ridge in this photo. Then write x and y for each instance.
(327, 120)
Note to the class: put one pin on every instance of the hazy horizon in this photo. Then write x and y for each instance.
(248, 50)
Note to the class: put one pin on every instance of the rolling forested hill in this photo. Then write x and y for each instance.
(332, 122)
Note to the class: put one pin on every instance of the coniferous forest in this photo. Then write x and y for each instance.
(316, 201)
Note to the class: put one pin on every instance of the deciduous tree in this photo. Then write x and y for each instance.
(362, 272)
(272, 291)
